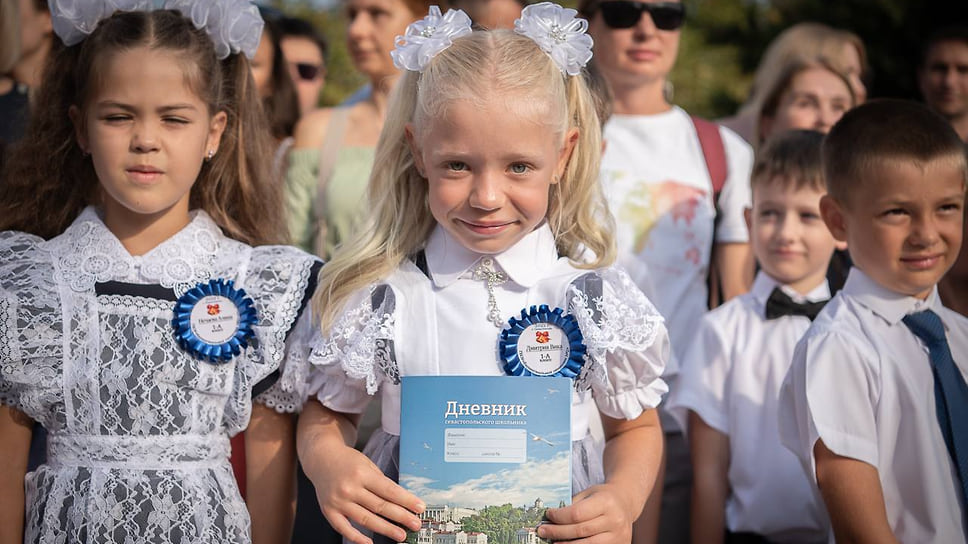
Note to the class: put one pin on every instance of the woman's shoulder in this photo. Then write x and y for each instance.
(310, 131)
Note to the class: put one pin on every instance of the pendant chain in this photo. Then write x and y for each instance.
(492, 278)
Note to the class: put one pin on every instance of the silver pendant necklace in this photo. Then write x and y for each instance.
(492, 278)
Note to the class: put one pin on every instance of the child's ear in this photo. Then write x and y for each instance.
(216, 128)
(415, 150)
(564, 155)
(833, 216)
(80, 132)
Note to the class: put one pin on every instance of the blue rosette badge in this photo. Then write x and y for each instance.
(214, 321)
(543, 342)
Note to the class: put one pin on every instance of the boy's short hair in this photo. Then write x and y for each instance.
(951, 33)
(884, 130)
(791, 158)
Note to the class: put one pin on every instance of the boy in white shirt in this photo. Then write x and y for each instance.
(876, 403)
(746, 486)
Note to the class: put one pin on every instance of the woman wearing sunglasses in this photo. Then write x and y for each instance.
(660, 189)
(333, 151)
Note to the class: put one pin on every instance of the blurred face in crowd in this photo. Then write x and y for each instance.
(854, 70)
(35, 27)
(815, 99)
(638, 55)
(306, 67)
(492, 14)
(943, 78)
(789, 238)
(373, 26)
(261, 66)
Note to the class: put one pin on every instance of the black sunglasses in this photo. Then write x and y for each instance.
(626, 14)
(307, 71)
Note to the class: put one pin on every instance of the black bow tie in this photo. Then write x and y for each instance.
(780, 304)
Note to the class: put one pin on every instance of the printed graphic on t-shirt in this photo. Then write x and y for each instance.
(669, 218)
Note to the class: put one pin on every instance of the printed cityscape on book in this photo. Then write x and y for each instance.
(487, 454)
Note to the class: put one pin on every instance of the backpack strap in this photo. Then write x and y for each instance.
(328, 153)
(714, 153)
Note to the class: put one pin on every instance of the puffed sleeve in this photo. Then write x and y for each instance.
(280, 280)
(300, 193)
(704, 378)
(627, 343)
(830, 393)
(287, 393)
(356, 355)
(31, 328)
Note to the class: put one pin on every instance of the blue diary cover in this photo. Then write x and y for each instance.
(486, 454)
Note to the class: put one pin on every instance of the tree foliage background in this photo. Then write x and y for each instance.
(723, 40)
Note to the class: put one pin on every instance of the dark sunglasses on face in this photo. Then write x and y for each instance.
(626, 14)
(307, 71)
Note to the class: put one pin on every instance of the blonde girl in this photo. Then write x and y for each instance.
(138, 320)
(485, 201)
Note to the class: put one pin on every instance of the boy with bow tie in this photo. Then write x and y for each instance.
(875, 404)
(746, 486)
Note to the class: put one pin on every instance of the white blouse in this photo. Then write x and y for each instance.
(436, 323)
(138, 429)
(862, 382)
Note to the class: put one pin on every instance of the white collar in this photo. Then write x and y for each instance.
(889, 305)
(87, 252)
(525, 262)
(763, 286)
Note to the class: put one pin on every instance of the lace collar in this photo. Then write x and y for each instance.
(525, 262)
(88, 253)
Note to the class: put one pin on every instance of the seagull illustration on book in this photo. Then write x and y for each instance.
(552, 391)
(427, 446)
(536, 438)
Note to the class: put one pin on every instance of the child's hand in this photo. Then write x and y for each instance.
(598, 515)
(350, 488)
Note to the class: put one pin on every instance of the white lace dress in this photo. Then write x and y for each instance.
(430, 318)
(139, 430)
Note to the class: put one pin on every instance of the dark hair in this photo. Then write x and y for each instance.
(791, 158)
(885, 130)
(282, 104)
(290, 27)
(48, 180)
(951, 33)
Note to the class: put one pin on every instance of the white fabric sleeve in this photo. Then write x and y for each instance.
(346, 360)
(703, 380)
(736, 195)
(289, 392)
(627, 346)
(830, 394)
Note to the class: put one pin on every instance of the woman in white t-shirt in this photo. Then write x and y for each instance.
(659, 188)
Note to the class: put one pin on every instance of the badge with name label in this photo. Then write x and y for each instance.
(543, 342)
(214, 321)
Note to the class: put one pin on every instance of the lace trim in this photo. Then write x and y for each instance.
(355, 339)
(157, 452)
(610, 322)
(88, 253)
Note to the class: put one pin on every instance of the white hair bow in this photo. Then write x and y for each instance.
(425, 38)
(559, 33)
(233, 25)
